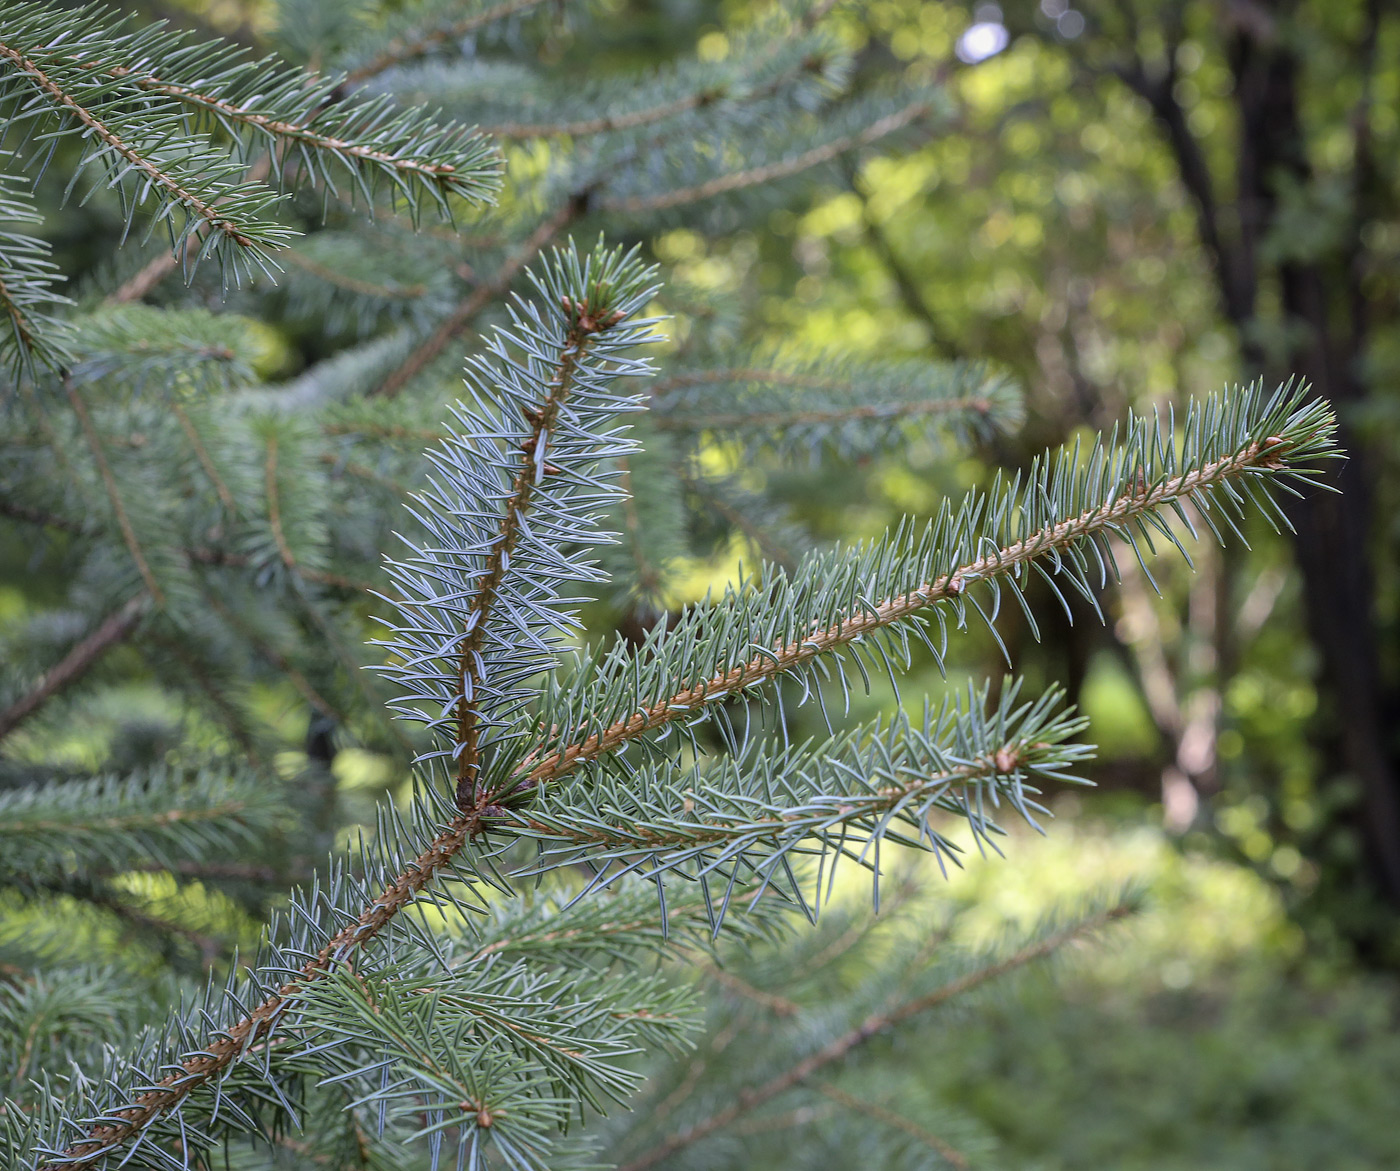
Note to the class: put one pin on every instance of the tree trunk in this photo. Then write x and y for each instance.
(1325, 310)
(1334, 531)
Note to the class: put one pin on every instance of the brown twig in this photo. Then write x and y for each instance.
(139, 284)
(274, 507)
(24, 332)
(353, 284)
(134, 821)
(369, 475)
(332, 637)
(226, 711)
(709, 96)
(906, 284)
(17, 511)
(385, 431)
(780, 1005)
(278, 128)
(209, 947)
(313, 697)
(758, 536)
(76, 663)
(542, 418)
(586, 126)
(202, 454)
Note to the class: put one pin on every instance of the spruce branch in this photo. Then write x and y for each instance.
(114, 495)
(865, 1108)
(142, 282)
(532, 426)
(194, 555)
(1230, 448)
(116, 627)
(163, 816)
(873, 1025)
(1225, 446)
(497, 559)
(178, 353)
(145, 100)
(543, 418)
(317, 133)
(31, 336)
(209, 1064)
(199, 206)
(576, 933)
(181, 174)
(595, 299)
(772, 1002)
(848, 409)
(418, 42)
(753, 812)
(767, 173)
(483, 295)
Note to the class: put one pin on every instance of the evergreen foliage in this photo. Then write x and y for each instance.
(456, 986)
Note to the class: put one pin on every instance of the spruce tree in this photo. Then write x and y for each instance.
(596, 781)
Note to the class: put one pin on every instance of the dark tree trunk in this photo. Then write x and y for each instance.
(1325, 315)
(1334, 532)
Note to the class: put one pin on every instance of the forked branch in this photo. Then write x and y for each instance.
(200, 1068)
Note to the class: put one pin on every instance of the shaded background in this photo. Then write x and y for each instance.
(1139, 200)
